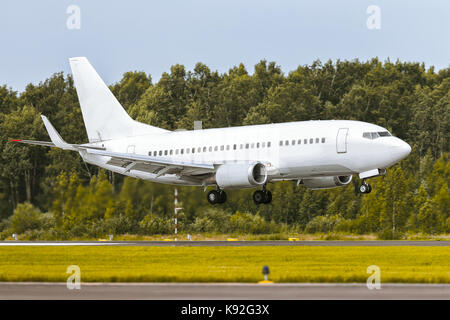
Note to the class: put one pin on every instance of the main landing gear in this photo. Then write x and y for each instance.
(216, 196)
(262, 196)
(259, 196)
(365, 187)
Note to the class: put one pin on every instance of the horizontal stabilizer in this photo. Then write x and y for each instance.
(39, 143)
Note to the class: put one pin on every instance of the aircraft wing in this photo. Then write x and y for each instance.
(128, 161)
(158, 166)
(131, 161)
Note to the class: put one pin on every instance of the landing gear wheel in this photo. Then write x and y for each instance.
(262, 196)
(268, 198)
(216, 196)
(222, 196)
(365, 188)
(259, 196)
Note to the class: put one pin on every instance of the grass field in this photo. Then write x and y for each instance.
(225, 264)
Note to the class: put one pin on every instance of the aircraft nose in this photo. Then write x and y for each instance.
(400, 149)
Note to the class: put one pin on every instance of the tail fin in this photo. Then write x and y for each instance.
(103, 115)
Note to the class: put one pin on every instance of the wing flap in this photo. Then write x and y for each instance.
(149, 164)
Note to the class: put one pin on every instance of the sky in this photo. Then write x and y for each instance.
(38, 37)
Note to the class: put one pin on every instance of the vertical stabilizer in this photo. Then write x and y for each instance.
(104, 117)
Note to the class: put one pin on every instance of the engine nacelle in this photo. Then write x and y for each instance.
(326, 182)
(241, 175)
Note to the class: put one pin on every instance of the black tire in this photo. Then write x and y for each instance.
(222, 196)
(369, 188)
(363, 188)
(213, 197)
(268, 198)
(259, 197)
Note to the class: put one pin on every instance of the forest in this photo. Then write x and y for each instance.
(48, 193)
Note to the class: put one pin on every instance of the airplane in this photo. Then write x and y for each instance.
(317, 154)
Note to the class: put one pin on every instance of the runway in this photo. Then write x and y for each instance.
(222, 291)
(325, 243)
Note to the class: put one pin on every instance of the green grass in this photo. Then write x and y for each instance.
(225, 264)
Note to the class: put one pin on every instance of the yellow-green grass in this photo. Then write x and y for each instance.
(225, 264)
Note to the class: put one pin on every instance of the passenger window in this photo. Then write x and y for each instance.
(160, 152)
(281, 143)
(252, 145)
(311, 140)
(299, 141)
(204, 149)
(199, 149)
(150, 153)
(268, 144)
(216, 148)
(257, 145)
(228, 147)
(293, 142)
(221, 148)
(182, 151)
(234, 147)
(187, 150)
(165, 152)
(305, 141)
(286, 142)
(323, 140)
(210, 149)
(246, 146)
(263, 145)
(171, 152)
(317, 140)
(193, 150)
(176, 151)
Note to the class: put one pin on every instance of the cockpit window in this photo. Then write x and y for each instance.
(374, 135)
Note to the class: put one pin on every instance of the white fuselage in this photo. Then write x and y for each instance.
(308, 149)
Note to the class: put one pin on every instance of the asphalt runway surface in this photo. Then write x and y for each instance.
(325, 243)
(221, 291)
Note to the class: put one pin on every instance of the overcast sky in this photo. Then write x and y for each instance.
(119, 36)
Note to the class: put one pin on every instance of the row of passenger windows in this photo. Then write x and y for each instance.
(253, 145)
(299, 141)
(210, 149)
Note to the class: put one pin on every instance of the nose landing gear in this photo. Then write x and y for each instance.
(365, 187)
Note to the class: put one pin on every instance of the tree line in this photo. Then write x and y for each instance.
(50, 193)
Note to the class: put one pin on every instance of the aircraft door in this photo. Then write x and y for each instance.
(341, 140)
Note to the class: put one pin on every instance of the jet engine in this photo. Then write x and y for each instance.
(326, 182)
(241, 175)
